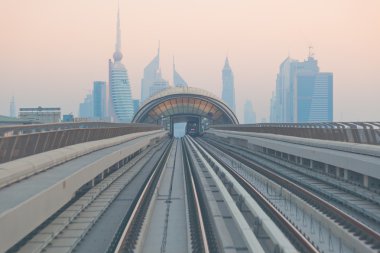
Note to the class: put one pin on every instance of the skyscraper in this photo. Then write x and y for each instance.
(177, 79)
(314, 101)
(249, 113)
(228, 93)
(120, 97)
(99, 99)
(158, 85)
(303, 94)
(152, 73)
(285, 91)
(86, 107)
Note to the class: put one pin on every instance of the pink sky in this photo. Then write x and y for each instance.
(51, 51)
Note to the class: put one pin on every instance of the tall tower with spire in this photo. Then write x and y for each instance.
(120, 96)
(228, 93)
(177, 78)
(152, 81)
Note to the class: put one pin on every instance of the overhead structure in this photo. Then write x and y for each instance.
(185, 104)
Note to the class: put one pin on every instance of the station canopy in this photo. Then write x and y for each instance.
(184, 101)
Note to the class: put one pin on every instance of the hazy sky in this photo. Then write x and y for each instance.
(51, 51)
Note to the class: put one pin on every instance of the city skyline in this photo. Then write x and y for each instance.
(257, 50)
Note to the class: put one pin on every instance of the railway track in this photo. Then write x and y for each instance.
(214, 221)
(295, 237)
(66, 230)
(363, 204)
(201, 235)
(166, 217)
(127, 235)
(366, 237)
(192, 195)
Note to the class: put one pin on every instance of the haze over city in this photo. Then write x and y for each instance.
(52, 51)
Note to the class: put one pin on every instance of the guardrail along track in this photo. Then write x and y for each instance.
(364, 233)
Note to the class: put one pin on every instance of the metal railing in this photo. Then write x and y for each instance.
(354, 132)
(35, 139)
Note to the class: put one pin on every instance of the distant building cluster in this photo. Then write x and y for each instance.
(115, 103)
(153, 82)
(303, 94)
(93, 106)
(121, 106)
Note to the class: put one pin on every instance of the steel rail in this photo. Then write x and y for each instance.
(196, 202)
(301, 242)
(142, 198)
(370, 235)
(345, 187)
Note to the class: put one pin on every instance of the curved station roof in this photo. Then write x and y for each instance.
(177, 101)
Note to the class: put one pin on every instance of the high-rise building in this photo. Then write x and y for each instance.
(228, 93)
(12, 108)
(303, 94)
(99, 99)
(314, 97)
(285, 91)
(178, 81)
(120, 97)
(151, 74)
(273, 109)
(86, 107)
(249, 113)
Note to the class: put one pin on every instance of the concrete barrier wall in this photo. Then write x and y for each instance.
(360, 158)
(25, 217)
(14, 171)
(18, 146)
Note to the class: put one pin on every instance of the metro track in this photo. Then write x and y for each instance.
(360, 202)
(298, 239)
(132, 223)
(70, 226)
(192, 195)
(368, 237)
(136, 236)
